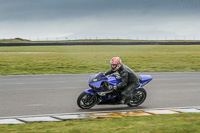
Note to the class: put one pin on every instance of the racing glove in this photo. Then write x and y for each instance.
(111, 87)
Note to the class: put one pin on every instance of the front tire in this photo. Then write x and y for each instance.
(84, 100)
(138, 98)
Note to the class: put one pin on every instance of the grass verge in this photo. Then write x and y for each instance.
(179, 123)
(92, 59)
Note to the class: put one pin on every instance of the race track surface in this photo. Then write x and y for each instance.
(54, 94)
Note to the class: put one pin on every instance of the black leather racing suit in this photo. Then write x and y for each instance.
(130, 80)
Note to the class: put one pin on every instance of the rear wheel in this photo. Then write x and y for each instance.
(86, 100)
(138, 97)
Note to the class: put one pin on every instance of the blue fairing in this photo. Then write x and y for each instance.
(89, 91)
(146, 77)
(144, 80)
(99, 77)
(113, 80)
(97, 83)
(96, 80)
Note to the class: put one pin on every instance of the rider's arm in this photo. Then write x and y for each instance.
(109, 72)
(124, 78)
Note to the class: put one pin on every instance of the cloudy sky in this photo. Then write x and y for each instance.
(98, 19)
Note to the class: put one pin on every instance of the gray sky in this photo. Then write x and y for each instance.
(91, 19)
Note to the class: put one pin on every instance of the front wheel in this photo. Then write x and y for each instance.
(137, 98)
(86, 100)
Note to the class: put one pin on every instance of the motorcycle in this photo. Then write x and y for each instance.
(99, 93)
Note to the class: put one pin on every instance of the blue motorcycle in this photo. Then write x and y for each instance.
(100, 94)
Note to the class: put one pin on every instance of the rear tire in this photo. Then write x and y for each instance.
(140, 96)
(83, 100)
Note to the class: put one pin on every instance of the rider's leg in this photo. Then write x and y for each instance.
(126, 93)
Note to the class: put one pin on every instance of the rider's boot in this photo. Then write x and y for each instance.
(126, 100)
(123, 100)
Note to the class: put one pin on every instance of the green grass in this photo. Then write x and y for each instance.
(176, 123)
(92, 59)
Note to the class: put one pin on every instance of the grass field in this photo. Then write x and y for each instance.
(92, 59)
(175, 123)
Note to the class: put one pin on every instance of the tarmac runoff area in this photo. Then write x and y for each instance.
(95, 115)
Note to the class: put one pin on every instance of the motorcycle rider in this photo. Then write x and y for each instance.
(130, 80)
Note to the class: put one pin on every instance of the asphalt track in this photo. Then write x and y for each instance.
(54, 94)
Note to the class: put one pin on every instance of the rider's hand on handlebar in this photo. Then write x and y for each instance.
(111, 87)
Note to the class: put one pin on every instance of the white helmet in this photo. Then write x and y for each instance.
(115, 63)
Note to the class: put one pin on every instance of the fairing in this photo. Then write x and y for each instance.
(144, 80)
(98, 77)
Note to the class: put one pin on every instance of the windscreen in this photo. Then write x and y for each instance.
(98, 77)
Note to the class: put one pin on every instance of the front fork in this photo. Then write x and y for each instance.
(94, 94)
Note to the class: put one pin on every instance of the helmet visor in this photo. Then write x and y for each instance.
(113, 66)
